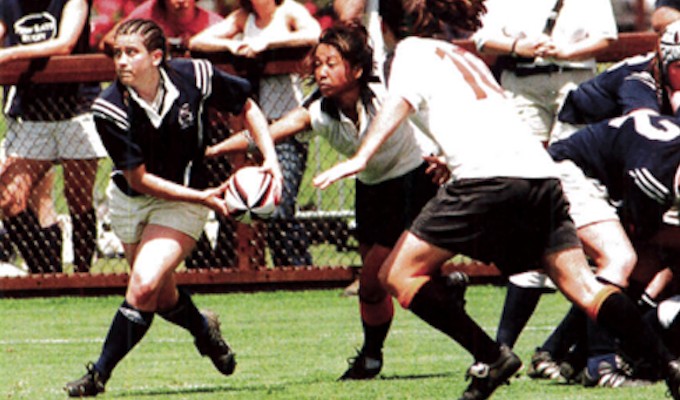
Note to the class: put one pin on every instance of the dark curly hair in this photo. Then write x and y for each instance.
(350, 39)
(432, 18)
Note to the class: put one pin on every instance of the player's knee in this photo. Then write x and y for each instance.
(142, 291)
(618, 267)
(371, 294)
(12, 203)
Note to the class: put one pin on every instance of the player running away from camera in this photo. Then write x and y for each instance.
(391, 190)
(151, 120)
(504, 204)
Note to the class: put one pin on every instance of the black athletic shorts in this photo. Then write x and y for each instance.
(386, 209)
(511, 222)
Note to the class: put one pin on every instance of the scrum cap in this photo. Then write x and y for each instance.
(669, 45)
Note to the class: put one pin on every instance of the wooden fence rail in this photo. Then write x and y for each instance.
(99, 68)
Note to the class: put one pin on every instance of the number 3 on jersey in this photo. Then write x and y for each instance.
(480, 80)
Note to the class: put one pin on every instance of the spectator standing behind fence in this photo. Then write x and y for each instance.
(254, 27)
(105, 15)
(504, 204)
(179, 19)
(47, 125)
(151, 120)
(549, 48)
(392, 189)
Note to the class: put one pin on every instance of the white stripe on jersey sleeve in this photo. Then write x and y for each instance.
(106, 109)
(649, 185)
(204, 73)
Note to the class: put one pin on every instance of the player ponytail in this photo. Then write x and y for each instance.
(432, 18)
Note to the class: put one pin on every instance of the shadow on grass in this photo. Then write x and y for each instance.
(417, 376)
(207, 389)
(268, 388)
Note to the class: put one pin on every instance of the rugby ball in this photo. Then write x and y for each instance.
(250, 195)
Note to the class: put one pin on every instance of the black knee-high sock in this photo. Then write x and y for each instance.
(600, 341)
(25, 232)
(186, 315)
(436, 305)
(128, 327)
(519, 305)
(620, 316)
(374, 338)
(51, 236)
(84, 238)
(571, 330)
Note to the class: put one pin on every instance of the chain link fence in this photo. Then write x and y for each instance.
(64, 226)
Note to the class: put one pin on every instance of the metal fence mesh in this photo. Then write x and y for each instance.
(314, 229)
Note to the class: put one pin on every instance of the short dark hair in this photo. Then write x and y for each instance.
(152, 34)
(431, 18)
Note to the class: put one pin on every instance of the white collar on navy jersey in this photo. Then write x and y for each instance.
(171, 94)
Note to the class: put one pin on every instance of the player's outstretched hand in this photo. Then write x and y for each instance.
(273, 168)
(339, 171)
(438, 169)
(214, 198)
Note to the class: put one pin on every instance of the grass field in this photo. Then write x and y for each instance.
(290, 345)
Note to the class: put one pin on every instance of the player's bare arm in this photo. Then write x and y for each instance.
(256, 124)
(75, 15)
(145, 182)
(220, 37)
(395, 110)
(294, 122)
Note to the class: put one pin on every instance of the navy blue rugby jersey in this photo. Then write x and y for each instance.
(625, 86)
(170, 150)
(636, 157)
(36, 21)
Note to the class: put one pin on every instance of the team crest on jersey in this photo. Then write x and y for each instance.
(185, 117)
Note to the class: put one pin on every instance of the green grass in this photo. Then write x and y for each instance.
(290, 345)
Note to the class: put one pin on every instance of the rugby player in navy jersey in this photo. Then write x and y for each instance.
(151, 120)
(638, 84)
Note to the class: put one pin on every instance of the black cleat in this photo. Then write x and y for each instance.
(486, 378)
(673, 379)
(214, 346)
(90, 385)
(362, 367)
(612, 372)
(543, 366)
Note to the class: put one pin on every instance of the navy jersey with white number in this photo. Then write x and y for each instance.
(624, 87)
(36, 21)
(169, 150)
(636, 157)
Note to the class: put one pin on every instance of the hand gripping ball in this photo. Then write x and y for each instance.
(250, 195)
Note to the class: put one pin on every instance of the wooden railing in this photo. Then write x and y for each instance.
(99, 68)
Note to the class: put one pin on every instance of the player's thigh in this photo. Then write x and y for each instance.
(570, 272)
(159, 253)
(412, 257)
(608, 245)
